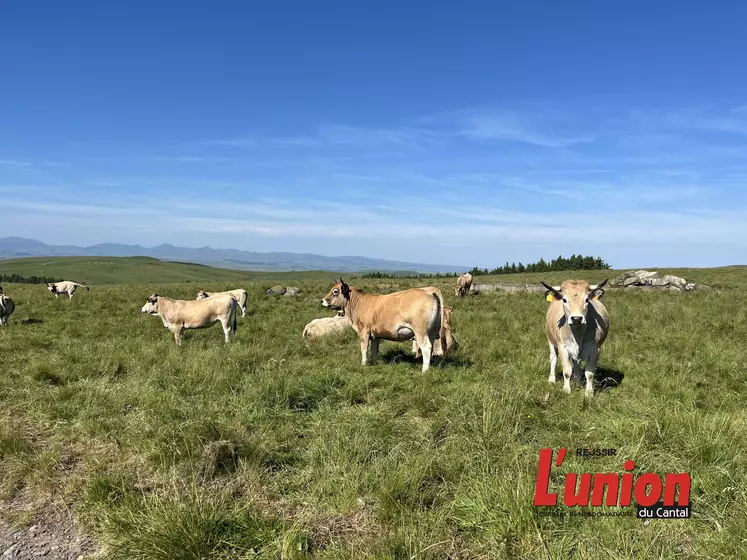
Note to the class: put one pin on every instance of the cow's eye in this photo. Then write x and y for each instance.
(565, 300)
(335, 292)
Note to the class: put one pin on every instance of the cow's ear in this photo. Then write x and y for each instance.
(596, 293)
(345, 289)
(552, 295)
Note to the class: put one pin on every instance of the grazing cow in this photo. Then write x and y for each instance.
(577, 324)
(447, 334)
(68, 288)
(463, 284)
(399, 317)
(178, 315)
(239, 295)
(327, 326)
(6, 308)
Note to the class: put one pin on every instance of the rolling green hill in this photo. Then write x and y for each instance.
(136, 270)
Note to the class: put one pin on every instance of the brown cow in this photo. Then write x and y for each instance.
(576, 324)
(399, 317)
(463, 284)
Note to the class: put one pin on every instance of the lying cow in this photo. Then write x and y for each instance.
(178, 315)
(68, 288)
(577, 324)
(463, 284)
(447, 335)
(239, 295)
(399, 317)
(326, 326)
(6, 308)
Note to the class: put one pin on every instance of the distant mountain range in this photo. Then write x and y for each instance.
(18, 247)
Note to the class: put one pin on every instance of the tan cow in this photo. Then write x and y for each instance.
(576, 324)
(326, 326)
(399, 317)
(239, 295)
(447, 334)
(6, 308)
(66, 287)
(463, 284)
(178, 315)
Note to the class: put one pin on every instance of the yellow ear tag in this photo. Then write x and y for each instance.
(550, 297)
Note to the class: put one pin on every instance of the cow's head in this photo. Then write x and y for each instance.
(151, 305)
(575, 296)
(52, 288)
(447, 315)
(202, 294)
(337, 296)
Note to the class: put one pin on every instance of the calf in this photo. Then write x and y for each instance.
(178, 315)
(66, 287)
(239, 295)
(576, 324)
(399, 317)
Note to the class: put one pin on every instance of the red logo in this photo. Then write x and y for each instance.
(647, 489)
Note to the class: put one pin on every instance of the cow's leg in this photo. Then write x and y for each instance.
(426, 348)
(71, 294)
(226, 324)
(576, 375)
(374, 350)
(591, 368)
(565, 361)
(178, 330)
(243, 310)
(364, 336)
(553, 362)
(416, 349)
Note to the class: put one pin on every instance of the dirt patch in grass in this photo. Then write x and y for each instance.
(32, 530)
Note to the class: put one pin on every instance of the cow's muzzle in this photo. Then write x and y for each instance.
(577, 320)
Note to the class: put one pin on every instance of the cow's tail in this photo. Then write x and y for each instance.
(83, 286)
(234, 325)
(442, 331)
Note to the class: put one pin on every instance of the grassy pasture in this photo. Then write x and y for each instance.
(271, 447)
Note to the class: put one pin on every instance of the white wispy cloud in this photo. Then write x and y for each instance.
(510, 127)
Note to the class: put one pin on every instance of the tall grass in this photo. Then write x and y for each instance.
(272, 447)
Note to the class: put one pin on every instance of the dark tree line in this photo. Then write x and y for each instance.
(18, 279)
(574, 262)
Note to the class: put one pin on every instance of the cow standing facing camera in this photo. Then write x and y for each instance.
(576, 324)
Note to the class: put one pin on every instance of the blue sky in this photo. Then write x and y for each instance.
(416, 131)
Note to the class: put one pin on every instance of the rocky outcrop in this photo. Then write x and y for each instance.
(276, 291)
(649, 281)
(510, 288)
(283, 290)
